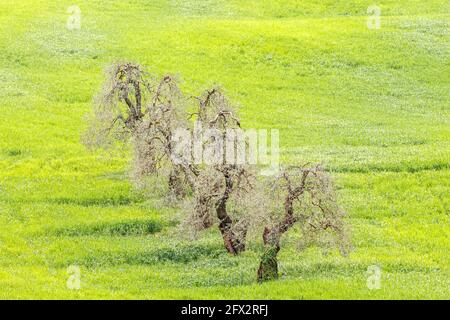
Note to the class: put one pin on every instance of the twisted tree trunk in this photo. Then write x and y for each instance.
(231, 240)
(268, 267)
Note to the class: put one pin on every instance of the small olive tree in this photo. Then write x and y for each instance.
(220, 183)
(119, 107)
(305, 197)
(135, 106)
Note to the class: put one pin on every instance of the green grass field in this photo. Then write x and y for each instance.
(371, 104)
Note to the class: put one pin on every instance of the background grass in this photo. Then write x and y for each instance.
(372, 105)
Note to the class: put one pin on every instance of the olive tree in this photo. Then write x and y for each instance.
(304, 197)
(220, 182)
(135, 106)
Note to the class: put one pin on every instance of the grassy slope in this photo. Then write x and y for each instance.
(371, 104)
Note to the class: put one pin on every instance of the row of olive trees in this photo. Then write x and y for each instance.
(137, 107)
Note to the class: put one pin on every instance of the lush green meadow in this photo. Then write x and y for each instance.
(370, 104)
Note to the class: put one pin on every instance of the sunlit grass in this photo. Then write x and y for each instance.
(372, 105)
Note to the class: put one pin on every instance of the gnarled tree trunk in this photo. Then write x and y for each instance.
(268, 266)
(232, 241)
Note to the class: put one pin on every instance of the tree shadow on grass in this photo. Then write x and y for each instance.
(89, 202)
(125, 228)
(181, 254)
